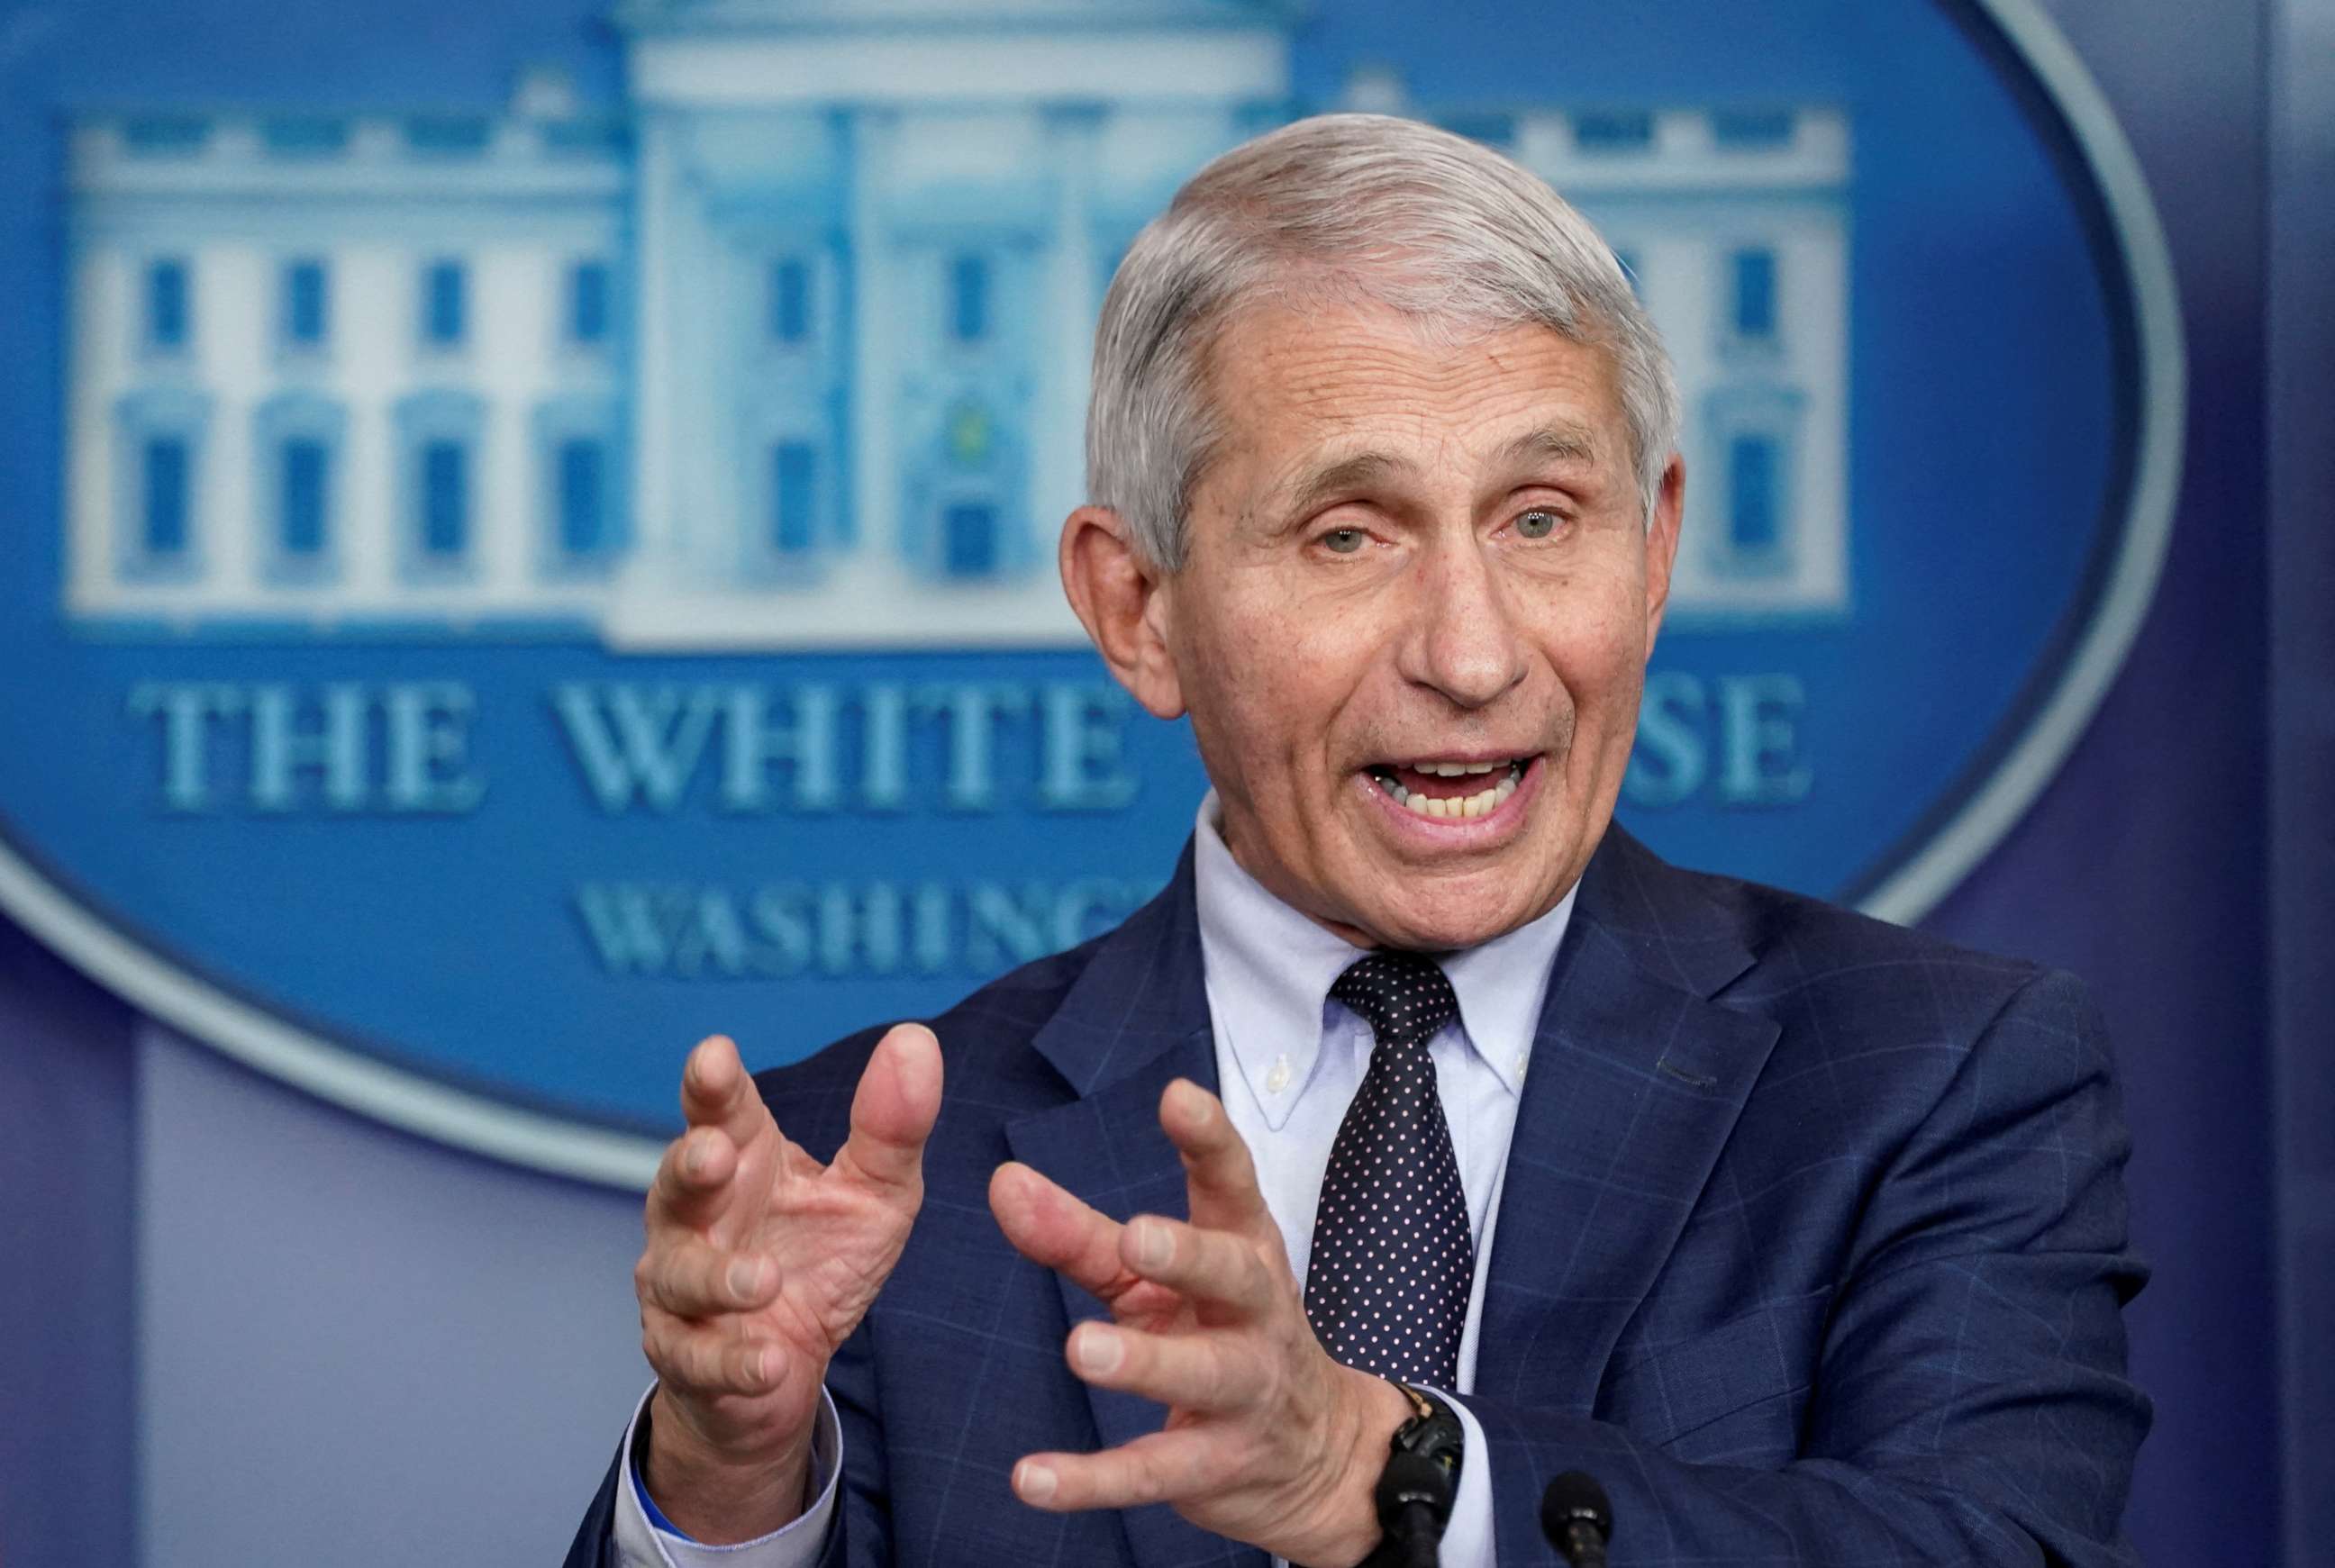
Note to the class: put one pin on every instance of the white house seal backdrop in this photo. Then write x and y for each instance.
(521, 581)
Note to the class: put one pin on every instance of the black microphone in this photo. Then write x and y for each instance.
(1578, 1519)
(1414, 1499)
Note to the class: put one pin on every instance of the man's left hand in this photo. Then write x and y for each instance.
(1268, 1440)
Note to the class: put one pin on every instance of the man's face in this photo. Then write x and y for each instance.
(1412, 625)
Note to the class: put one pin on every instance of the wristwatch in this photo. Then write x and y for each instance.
(1431, 1440)
(1433, 1431)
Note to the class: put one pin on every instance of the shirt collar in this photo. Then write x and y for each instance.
(1269, 968)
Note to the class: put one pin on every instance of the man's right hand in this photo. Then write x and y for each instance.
(760, 1263)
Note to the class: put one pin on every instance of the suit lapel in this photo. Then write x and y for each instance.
(1135, 1021)
(1635, 1082)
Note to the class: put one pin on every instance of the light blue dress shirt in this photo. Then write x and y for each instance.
(1288, 1062)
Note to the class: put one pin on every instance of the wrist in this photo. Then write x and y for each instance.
(1379, 1407)
(719, 1498)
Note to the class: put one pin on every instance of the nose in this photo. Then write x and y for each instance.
(1464, 640)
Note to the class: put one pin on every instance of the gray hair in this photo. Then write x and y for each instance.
(1360, 208)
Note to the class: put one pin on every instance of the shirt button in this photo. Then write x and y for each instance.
(1521, 1056)
(1278, 1079)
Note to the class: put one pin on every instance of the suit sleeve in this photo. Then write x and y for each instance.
(1971, 1403)
(862, 1536)
(616, 1534)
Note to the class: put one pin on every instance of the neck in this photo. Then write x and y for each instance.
(1271, 877)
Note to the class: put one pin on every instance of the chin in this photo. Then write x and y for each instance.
(1449, 918)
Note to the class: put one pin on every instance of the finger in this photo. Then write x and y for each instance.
(1203, 1372)
(1158, 1467)
(1055, 1229)
(893, 1108)
(1217, 1170)
(717, 1091)
(691, 1278)
(706, 1361)
(694, 1180)
(1207, 1265)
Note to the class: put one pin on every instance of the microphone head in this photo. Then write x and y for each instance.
(1411, 1478)
(1573, 1498)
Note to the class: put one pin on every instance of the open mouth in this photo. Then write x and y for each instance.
(1450, 790)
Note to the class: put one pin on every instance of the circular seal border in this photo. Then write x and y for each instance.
(480, 1124)
(1957, 839)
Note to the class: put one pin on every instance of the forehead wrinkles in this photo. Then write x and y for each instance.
(1306, 392)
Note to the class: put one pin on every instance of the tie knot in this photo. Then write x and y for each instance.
(1403, 997)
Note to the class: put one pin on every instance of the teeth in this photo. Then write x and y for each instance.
(1481, 804)
(1466, 807)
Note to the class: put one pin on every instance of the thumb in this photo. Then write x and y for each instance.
(893, 1111)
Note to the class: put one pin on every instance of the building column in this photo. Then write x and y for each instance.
(875, 313)
(656, 546)
(1058, 445)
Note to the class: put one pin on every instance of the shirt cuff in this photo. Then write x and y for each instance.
(1468, 1540)
(643, 1541)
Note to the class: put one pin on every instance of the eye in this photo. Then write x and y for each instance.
(1343, 541)
(1538, 524)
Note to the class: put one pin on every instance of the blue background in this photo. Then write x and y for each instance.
(237, 1327)
(1983, 419)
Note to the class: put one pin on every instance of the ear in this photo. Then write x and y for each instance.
(1126, 604)
(1661, 545)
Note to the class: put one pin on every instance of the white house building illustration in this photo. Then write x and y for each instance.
(791, 349)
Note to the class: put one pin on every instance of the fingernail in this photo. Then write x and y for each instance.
(746, 1277)
(694, 1159)
(1153, 1245)
(1099, 1350)
(1035, 1481)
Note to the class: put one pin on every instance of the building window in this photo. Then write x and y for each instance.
(1751, 442)
(1491, 127)
(1753, 315)
(582, 484)
(167, 464)
(297, 436)
(794, 497)
(444, 530)
(1614, 132)
(445, 304)
(305, 475)
(158, 469)
(579, 485)
(789, 303)
(165, 135)
(1754, 519)
(969, 299)
(1750, 129)
(307, 305)
(969, 539)
(305, 136)
(587, 303)
(170, 317)
(449, 135)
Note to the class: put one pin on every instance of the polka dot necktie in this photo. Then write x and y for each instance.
(1386, 1288)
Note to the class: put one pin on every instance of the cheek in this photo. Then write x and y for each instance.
(1598, 653)
(1248, 710)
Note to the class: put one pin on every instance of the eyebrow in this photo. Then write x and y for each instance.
(1560, 443)
(1360, 472)
(1563, 443)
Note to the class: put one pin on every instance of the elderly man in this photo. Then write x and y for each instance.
(1426, 1108)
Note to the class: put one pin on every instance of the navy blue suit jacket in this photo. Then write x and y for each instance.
(1812, 1247)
